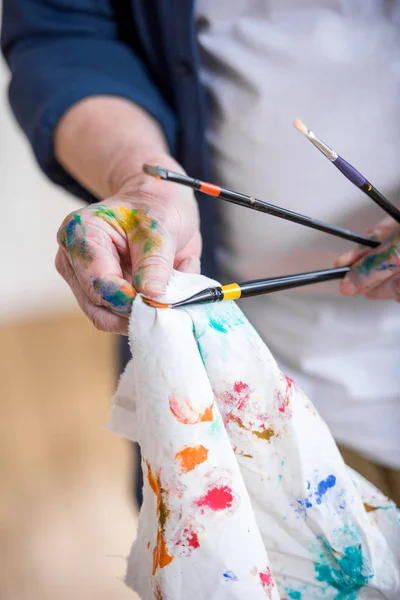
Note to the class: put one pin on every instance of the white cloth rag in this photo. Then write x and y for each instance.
(246, 496)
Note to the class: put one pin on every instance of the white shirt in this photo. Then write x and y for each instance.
(336, 65)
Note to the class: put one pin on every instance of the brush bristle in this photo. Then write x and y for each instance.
(299, 125)
(154, 303)
(151, 170)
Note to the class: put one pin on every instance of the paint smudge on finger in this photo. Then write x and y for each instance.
(188, 458)
(118, 295)
(135, 222)
(138, 277)
(185, 413)
(72, 236)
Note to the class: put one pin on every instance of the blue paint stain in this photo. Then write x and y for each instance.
(111, 293)
(70, 231)
(294, 595)
(386, 267)
(323, 487)
(230, 576)
(345, 572)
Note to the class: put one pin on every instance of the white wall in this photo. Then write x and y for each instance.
(31, 210)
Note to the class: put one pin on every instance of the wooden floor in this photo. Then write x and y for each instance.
(66, 516)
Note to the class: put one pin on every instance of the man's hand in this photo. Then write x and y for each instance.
(129, 242)
(375, 273)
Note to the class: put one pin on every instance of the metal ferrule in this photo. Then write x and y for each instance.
(322, 147)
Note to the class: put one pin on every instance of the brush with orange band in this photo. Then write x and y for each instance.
(249, 202)
(257, 287)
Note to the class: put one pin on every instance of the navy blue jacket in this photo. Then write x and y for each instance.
(60, 51)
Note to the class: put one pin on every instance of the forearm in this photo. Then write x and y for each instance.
(103, 141)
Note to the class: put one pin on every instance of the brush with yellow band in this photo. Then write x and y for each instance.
(256, 287)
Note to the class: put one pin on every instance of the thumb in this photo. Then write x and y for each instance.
(151, 270)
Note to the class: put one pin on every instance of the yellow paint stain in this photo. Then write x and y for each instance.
(266, 434)
(136, 223)
(190, 457)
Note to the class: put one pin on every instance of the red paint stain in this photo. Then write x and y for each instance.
(189, 538)
(235, 399)
(266, 580)
(217, 498)
(239, 386)
(289, 389)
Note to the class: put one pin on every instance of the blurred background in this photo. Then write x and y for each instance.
(67, 518)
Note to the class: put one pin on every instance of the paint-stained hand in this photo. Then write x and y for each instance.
(128, 243)
(375, 273)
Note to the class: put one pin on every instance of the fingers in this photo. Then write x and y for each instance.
(188, 259)
(375, 274)
(91, 252)
(152, 269)
(102, 318)
(381, 232)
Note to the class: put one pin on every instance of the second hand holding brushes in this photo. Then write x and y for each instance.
(256, 287)
(255, 204)
(349, 171)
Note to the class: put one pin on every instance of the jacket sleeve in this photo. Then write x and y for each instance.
(61, 51)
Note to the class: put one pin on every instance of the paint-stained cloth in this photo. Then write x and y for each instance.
(246, 495)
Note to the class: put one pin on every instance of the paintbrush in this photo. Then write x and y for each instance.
(257, 287)
(255, 204)
(349, 171)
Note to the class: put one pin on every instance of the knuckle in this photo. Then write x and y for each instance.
(98, 320)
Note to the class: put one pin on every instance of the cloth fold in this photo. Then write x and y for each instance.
(245, 494)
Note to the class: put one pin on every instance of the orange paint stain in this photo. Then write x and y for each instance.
(161, 556)
(154, 304)
(369, 508)
(190, 457)
(186, 414)
(128, 290)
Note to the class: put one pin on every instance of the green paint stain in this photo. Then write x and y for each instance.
(138, 277)
(112, 294)
(344, 571)
(153, 224)
(374, 261)
(104, 212)
(216, 426)
(148, 246)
